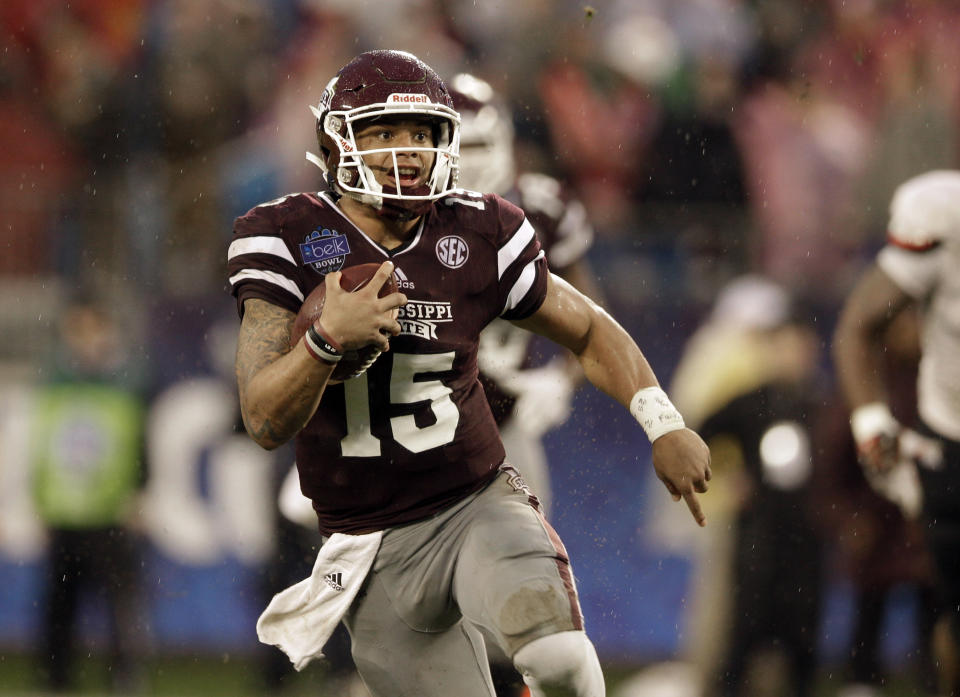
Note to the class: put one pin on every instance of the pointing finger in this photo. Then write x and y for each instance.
(693, 503)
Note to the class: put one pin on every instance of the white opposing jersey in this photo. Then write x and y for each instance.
(931, 274)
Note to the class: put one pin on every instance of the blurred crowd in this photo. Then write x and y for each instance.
(710, 140)
(732, 135)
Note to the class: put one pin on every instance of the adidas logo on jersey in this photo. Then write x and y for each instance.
(334, 580)
(402, 281)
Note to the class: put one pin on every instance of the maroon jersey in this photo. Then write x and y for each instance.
(565, 235)
(414, 433)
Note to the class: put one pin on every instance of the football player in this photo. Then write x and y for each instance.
(430, 534)
(527, 398)
(918, 267)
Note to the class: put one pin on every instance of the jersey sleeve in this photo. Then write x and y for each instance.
(521, 264)
(260, 263)
(560, 219)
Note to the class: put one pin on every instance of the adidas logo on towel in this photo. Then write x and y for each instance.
(334, 580)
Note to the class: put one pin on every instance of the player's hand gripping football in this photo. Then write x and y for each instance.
(682, 462)
(361, 318)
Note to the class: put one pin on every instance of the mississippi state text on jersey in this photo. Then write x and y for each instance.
(414, 433)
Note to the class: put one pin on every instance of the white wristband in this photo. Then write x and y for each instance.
(654, 411)
(871, 420)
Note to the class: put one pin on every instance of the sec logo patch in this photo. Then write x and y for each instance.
(452, 251)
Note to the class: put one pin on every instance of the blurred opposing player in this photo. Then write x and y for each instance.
(528, 397)
(919, 266)
(431, 534)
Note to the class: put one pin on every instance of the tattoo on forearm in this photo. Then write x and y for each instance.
(264, 340)
(264, 337)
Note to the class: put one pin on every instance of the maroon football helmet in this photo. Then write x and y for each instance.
(377, 84)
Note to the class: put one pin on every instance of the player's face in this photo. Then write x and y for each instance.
(402, 136)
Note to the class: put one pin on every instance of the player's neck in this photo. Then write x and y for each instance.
(386, 232)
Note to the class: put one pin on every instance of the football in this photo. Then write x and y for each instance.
(352, 278)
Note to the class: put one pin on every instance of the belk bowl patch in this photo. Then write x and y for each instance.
(325, 250)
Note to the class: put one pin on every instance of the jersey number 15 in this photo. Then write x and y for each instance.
(360, 441)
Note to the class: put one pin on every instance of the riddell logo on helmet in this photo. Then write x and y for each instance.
(397, 98)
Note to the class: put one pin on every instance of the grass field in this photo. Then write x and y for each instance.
(230, 676)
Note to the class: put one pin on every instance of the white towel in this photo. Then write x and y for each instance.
(300, 619)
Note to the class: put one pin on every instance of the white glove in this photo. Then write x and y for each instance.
(924, 451)
(899, 484)
(544, 397)
(875, 432)
(890, 455)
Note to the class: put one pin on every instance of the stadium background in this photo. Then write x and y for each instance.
(135, 130)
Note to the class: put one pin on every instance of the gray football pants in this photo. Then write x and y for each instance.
(489, 561)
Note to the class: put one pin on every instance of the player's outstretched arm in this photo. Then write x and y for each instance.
(613, 362)
(858, 357)
(857, 341)
(281, 387)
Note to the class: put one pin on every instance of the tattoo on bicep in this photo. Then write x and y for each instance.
(264, 338)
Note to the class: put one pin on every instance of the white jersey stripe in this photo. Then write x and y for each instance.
(514, 248)
(270, 277)
(260, 245)
(523, 284)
